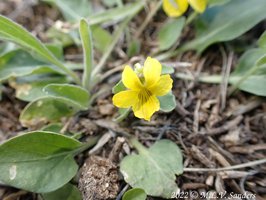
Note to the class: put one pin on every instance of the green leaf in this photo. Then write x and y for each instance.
(217, 2)
(248, 60)
(116, 14)
(74, 93)
(154, 169)
(167, 102)
(135, 194)
(38, 161)
(250, 73)
(102, 38)
(55, 127)
(123, 113)
(170, 32)
(119, 87)
(73, 10)
(6, 47)
(86, 38)
(254, 84)
(110, 3)
(133, 48)
(62, 100)
(167, 70)
(13, 32)
(56, 35)
(262, 40)
(19, 63)
(29, 88)
(67, 192)
(227, 25)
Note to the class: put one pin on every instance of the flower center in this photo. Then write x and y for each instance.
(144, 96)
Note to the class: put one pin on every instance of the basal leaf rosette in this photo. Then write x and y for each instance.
(145, 90)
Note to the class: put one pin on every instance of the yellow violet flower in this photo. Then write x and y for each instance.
(176, 8)
(143, 90)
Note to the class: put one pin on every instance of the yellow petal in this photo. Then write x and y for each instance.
(175, 8)
(198, 5)
(130, 79)
(163, 86)
(152, 71)
(147, 109)
(125, 99)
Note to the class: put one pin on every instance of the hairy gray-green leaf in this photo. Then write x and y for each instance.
(133, 48)
(102, 38)
(73, 93)
(170, 32)
(19, 63)
(38, 161)
(73, 10)
(154, 169)
(67, 192)
(227, 25)
(30, 88)
(61, 100)
(86, 39)
(262, 40)
(13, 32)
(53, 127)
(116, 14)
(167, 70)
(167, 102)
(119, 87)
(135, 194)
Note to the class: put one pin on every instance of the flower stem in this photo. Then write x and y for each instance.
(87, 145)
(107, 53)
(137, 145)
(123, 116)
(190, 18)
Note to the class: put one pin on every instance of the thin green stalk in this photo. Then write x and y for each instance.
(87, 145)
(107, 53)
(137, 145)
(190, 18)
(86, 38)
(122, 116)
(203, 78)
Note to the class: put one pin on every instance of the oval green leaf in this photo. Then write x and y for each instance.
(38, 161)
(74, 93)
(167, 102)
(170, 32)
(135, 194)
